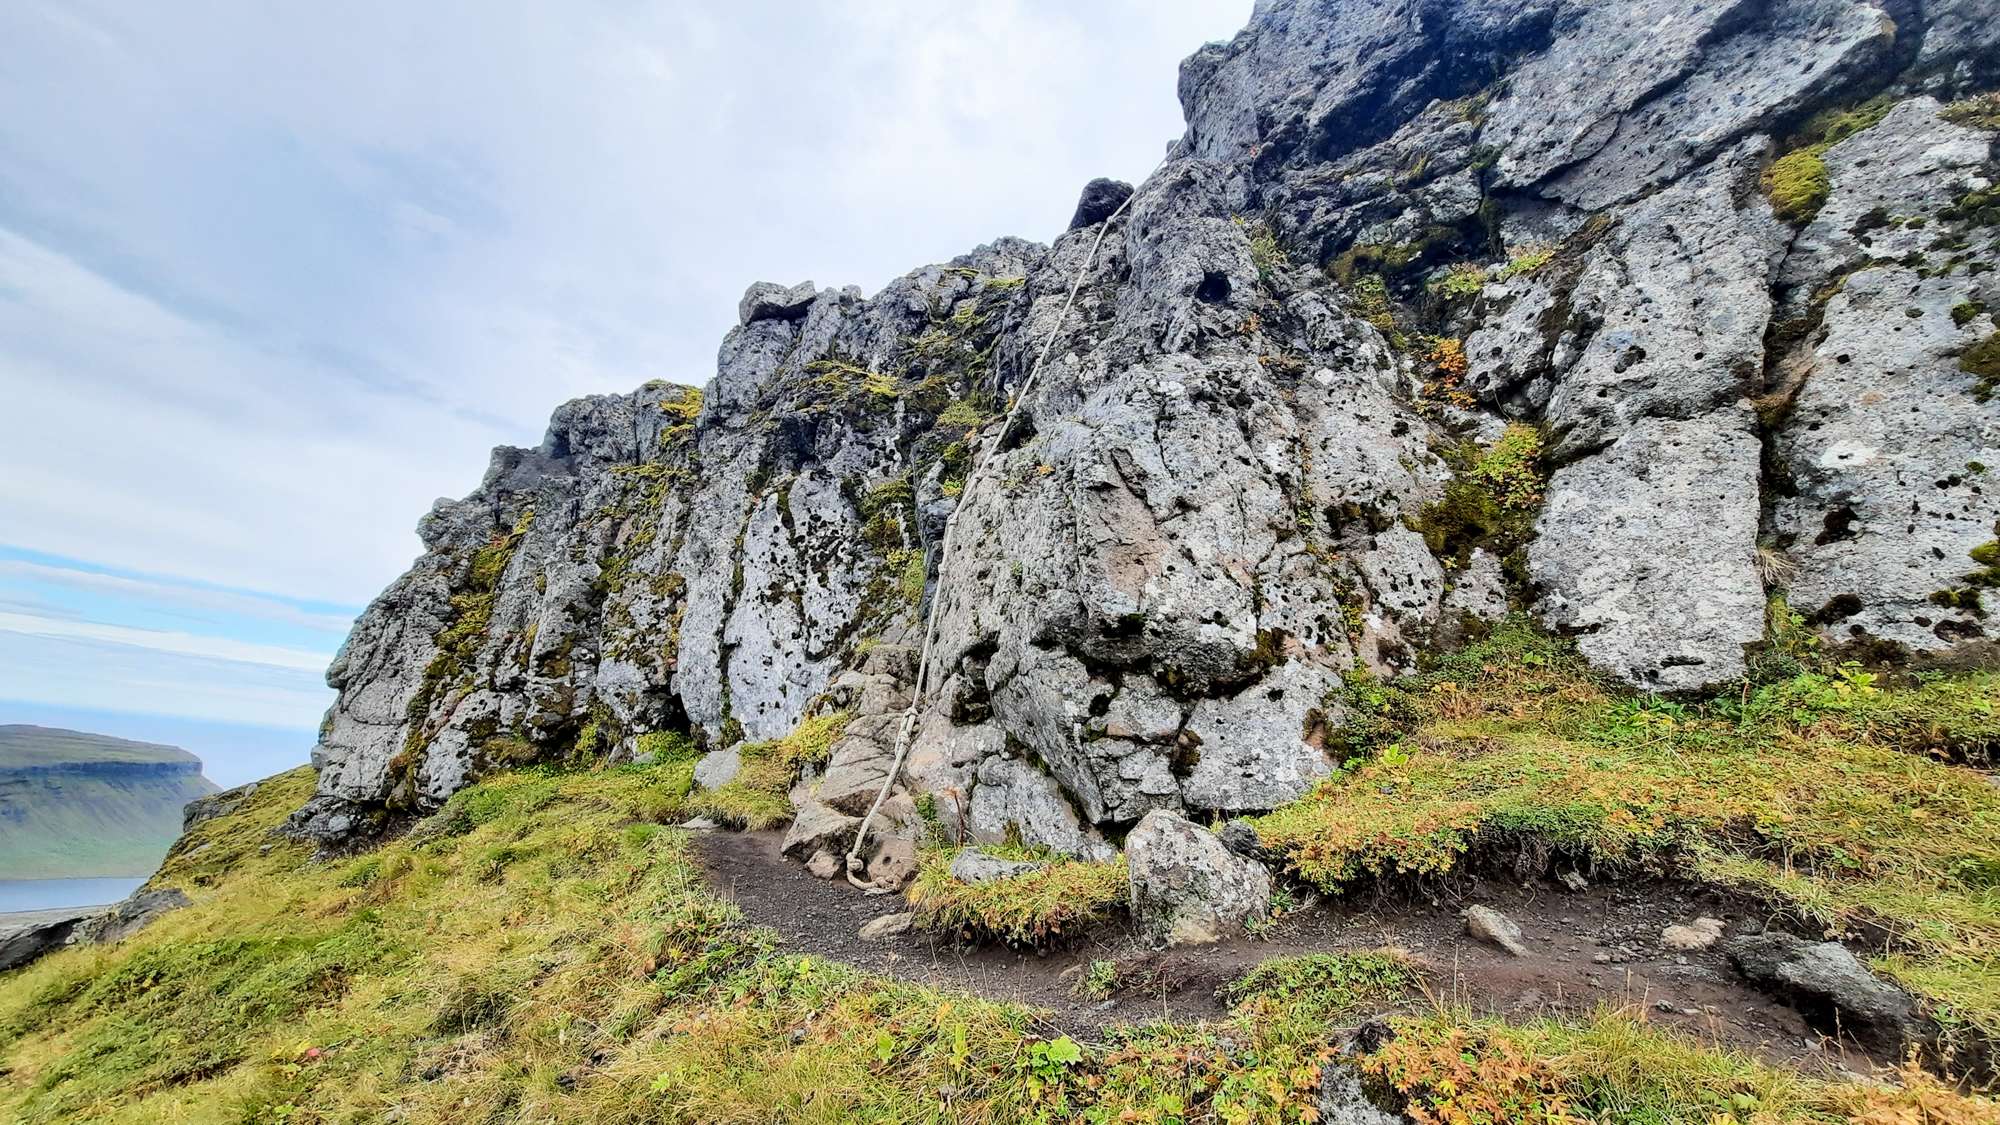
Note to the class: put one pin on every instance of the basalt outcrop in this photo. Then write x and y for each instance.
(1630, 314)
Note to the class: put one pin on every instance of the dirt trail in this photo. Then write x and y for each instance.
(1567, 932)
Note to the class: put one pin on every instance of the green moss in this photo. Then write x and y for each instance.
(961, 413)
(1982, 112)
(1491, 504)
(1832, 126)
(1980, 208)
(1982, 362)
(1463, 279)
(668, 746)
(913, 578)
(1798, 184)
(1965, 312)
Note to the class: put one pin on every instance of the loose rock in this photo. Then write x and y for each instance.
(1495, 928)
(1698, 934)
(718, 768)
(887, 926)
(1342, 1101)
(824, 864)
(1240, 837)
(33, 935)
(894, 865)
(132, 915)
(1833, 990)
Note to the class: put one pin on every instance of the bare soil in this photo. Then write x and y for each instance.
(1586, 949)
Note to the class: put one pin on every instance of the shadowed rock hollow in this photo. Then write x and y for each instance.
(1630, 315)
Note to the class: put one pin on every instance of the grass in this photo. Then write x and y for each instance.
(542, 950)
(1459, 1067)
(1060, 901)
(757, 797)
(1318, 988)
(1815, 792)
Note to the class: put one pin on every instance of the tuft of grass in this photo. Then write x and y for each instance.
(1317, 988)
(759, 796)
(1527, 260)
(1059, 901)
(1798, 184)
(1980, 112)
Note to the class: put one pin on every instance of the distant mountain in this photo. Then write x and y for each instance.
(76, 805)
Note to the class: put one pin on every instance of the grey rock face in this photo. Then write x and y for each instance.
(1649, 549)
(28, 938)
(1189, 889)
(1833, 990)
(1882, 501)
(215, 805)
(975, 866)
(132, 915)
(1390, 230)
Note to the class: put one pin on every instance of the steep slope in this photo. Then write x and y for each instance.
(76, 805)
(1632, 313)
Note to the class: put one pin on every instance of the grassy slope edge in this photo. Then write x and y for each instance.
(543, 949)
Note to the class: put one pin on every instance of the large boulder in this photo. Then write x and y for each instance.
(1833, 990)
(132, 915)
(1187, 887)
(28, 936)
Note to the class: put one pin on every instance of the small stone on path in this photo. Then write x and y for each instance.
(700, 824)
(1698, 934)
(1491, 926)
(824, 864)
(1574, 881)
(887, 926)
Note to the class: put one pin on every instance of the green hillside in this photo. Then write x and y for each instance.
(76, 805)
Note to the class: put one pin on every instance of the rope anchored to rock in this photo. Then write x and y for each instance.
(856, 866)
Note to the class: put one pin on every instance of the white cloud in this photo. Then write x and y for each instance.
(97, 674)
(193, 597)
(275, 276)
(185, 644)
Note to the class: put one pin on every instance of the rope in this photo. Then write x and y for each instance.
(855, 864)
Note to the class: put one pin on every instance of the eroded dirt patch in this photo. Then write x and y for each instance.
(1586, 949)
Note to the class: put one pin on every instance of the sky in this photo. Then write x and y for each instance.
(275, 275)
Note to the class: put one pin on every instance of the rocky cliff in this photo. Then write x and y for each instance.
(1633, 315)
(75, 805)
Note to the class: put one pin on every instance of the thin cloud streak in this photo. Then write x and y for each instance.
(192, 597)
(185, 644)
